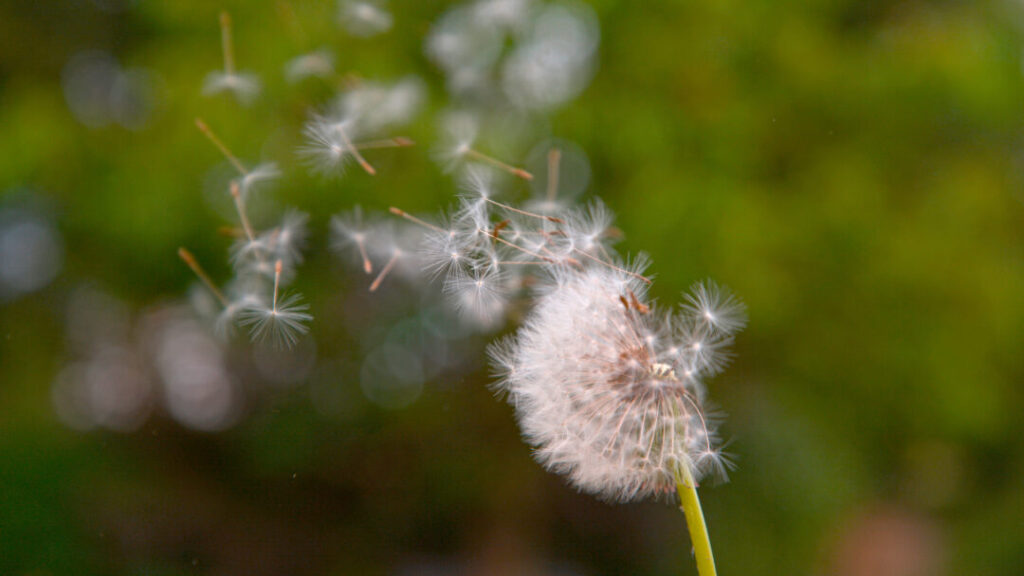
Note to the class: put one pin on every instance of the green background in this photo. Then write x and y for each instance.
(852, 170)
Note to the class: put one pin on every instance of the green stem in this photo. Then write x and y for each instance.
(690, 505)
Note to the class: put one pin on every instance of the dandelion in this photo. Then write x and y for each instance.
(609, 393)
(244, 86)
(282, 322)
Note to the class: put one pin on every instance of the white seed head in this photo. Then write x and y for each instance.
(598, 393)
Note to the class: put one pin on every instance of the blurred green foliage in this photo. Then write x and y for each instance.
(852, 170)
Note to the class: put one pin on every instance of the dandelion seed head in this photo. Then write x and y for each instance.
(598, 392)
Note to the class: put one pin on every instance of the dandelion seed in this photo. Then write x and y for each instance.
(442, 252)
(479, 295)
(403, 214)
(236, 194)
(257, 176)
(481, 157)
(461, 130)
(349, 230)
(225, 324)
(329, 147)
(588, 229)
(287, 240)
(192, 263)
(715, 307)
(283, 322)
(213, 138)
(244, 86)
(396, 255)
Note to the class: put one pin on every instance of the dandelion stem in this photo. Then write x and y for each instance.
(521, 263)
(277, 282)
(554, 159)
(355, 151)
(229, 232)
(690, 505)
(641, 277)
(518, 172)
(240, 207)
(384, 271)
(192, 263)
(397, 142)
(415, 220)
(367, 265)
(225, 41)
(516, 246)
(220, 146)
(524, 212)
